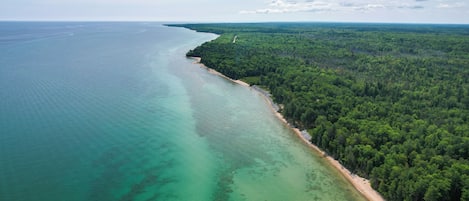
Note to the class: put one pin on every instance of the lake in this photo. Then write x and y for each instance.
(115, 111)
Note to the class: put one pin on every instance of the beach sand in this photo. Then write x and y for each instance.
(213, 71)
(361, 184)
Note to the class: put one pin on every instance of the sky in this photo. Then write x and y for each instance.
(389, 11)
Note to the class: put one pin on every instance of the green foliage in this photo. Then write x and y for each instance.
(390, 102)
(253, 80)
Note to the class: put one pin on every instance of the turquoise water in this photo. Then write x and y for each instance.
(114, 111)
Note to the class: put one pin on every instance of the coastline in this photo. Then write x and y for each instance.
(361, 184)
(213, 71)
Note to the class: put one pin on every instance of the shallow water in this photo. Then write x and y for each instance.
(114, 111)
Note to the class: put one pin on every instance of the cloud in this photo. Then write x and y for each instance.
(293, 6)
(442, 4)
(368, 7)
(412, 7)
(451, 5)
(280, 6)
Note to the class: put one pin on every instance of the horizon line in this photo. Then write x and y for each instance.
(230, 22)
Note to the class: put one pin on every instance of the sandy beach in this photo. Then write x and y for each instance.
(361, 184)
(213, 71)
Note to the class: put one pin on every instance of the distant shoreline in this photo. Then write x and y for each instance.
(361, 184)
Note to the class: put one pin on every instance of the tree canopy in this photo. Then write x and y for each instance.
(389, 101)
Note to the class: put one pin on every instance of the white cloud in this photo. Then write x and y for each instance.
(280, 6)
(293, 6)
(451, 5)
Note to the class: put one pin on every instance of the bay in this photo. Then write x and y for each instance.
(114, 111)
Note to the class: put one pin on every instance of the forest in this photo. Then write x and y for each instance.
(388, 101)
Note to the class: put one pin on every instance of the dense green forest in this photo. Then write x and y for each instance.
(389, 101)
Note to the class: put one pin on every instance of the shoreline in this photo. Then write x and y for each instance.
(361, 184)
(213, 71)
